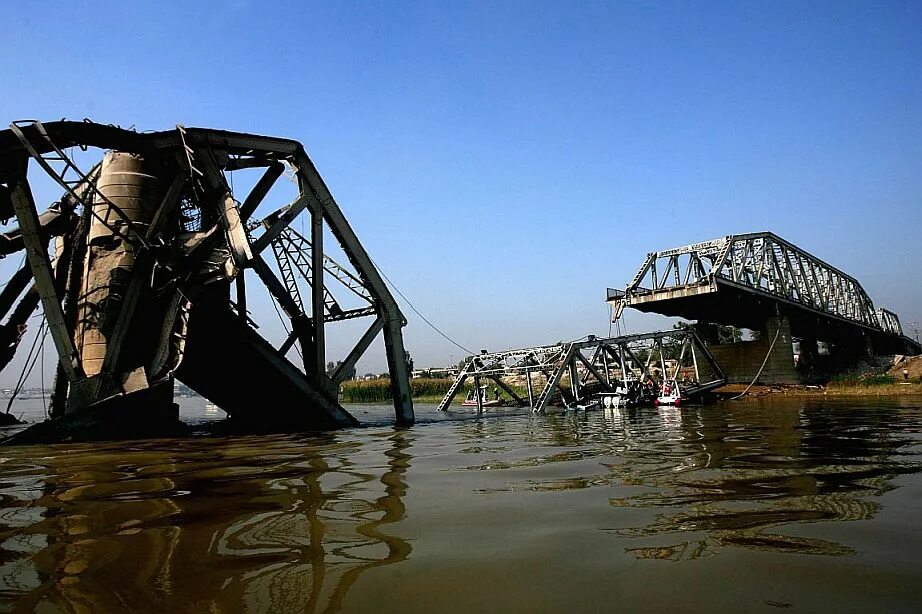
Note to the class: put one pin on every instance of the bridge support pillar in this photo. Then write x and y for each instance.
(775, 350)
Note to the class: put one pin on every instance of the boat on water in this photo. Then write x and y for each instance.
(485, 401)
(629, 394)
(670, 394)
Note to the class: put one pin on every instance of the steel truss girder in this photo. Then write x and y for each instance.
(761, 263)
(607, 354)
(206, 155)
(294, 254)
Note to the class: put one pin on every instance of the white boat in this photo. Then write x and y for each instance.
(670, 393)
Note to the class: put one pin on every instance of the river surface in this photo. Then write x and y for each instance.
(759, 505)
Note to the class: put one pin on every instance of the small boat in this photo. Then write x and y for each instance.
(670, 394)
(471, 400)
(584, 406)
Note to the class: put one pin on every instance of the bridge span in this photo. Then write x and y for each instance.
(762, 282)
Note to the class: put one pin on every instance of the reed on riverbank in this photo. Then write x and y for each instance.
(429, 390)
(379, 390)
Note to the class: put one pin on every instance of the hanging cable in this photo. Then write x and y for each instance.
(416, 311)
(41, 369)
(26, 366)
(285, 326)
(764, 362)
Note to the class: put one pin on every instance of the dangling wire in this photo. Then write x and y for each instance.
(416, 311)
(27, 366)
(285, 326)
(41, 368)
(759, 374)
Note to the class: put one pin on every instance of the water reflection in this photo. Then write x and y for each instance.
(319, 523)
(731, 475)
(259, 524)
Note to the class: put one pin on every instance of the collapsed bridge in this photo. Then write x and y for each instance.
(762, 282)
(592, 366)
(145, 266)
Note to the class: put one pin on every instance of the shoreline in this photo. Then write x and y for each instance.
(730, 390)
(856, 390)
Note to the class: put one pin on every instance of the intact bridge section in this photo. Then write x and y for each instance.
(761, 282)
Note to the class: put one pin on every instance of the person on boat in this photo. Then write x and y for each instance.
(495, 393)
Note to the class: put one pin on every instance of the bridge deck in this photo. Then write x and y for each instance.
(744, 279)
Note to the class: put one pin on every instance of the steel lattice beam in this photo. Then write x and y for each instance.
(186, 249)
(611, 361)
(761, 265)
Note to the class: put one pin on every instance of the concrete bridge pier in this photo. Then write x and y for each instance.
(743, 360)
(116, 305)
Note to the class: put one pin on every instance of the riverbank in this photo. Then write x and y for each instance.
(379, 390)
(434, 390)
(423, 390)
(833, 389)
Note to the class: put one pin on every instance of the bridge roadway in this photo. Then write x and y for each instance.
(746, 280)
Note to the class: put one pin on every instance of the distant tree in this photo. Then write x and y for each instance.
(333, 366)
(719, 333)
(409, 361)
(729, 334)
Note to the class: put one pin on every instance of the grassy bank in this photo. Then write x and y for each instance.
(873, 384)
(379, 390)
(422, 389)
(842, 386)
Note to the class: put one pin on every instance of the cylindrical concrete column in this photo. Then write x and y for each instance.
(127, 181)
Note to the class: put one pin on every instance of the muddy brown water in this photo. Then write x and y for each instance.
(760, 505)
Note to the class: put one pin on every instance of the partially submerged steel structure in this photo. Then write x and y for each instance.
(155, 259)
(593, 365)
(762, 282)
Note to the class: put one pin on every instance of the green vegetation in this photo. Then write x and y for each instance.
(379, 390)
(873, 384)
(867, 379)
(430, 390)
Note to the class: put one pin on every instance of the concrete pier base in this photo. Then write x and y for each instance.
(741, 361)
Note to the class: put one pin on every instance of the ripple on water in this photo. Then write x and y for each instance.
(308, 523)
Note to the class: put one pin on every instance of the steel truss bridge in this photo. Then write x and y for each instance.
(593, 365)
(145, 266)
(745, 279)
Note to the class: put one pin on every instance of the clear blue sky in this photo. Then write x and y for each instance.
(505, 162)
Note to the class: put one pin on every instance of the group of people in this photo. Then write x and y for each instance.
(483, 392)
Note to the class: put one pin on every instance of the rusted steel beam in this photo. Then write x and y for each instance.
(228, 213)
(12, 332)
(318, 296)
(280, 220)
(69, 134)
(13, 288)
(311, 182)
(347, 365)
(190, 245)
(261, 189)
(37, 255)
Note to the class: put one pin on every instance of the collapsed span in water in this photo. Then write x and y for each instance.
(146, 265)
